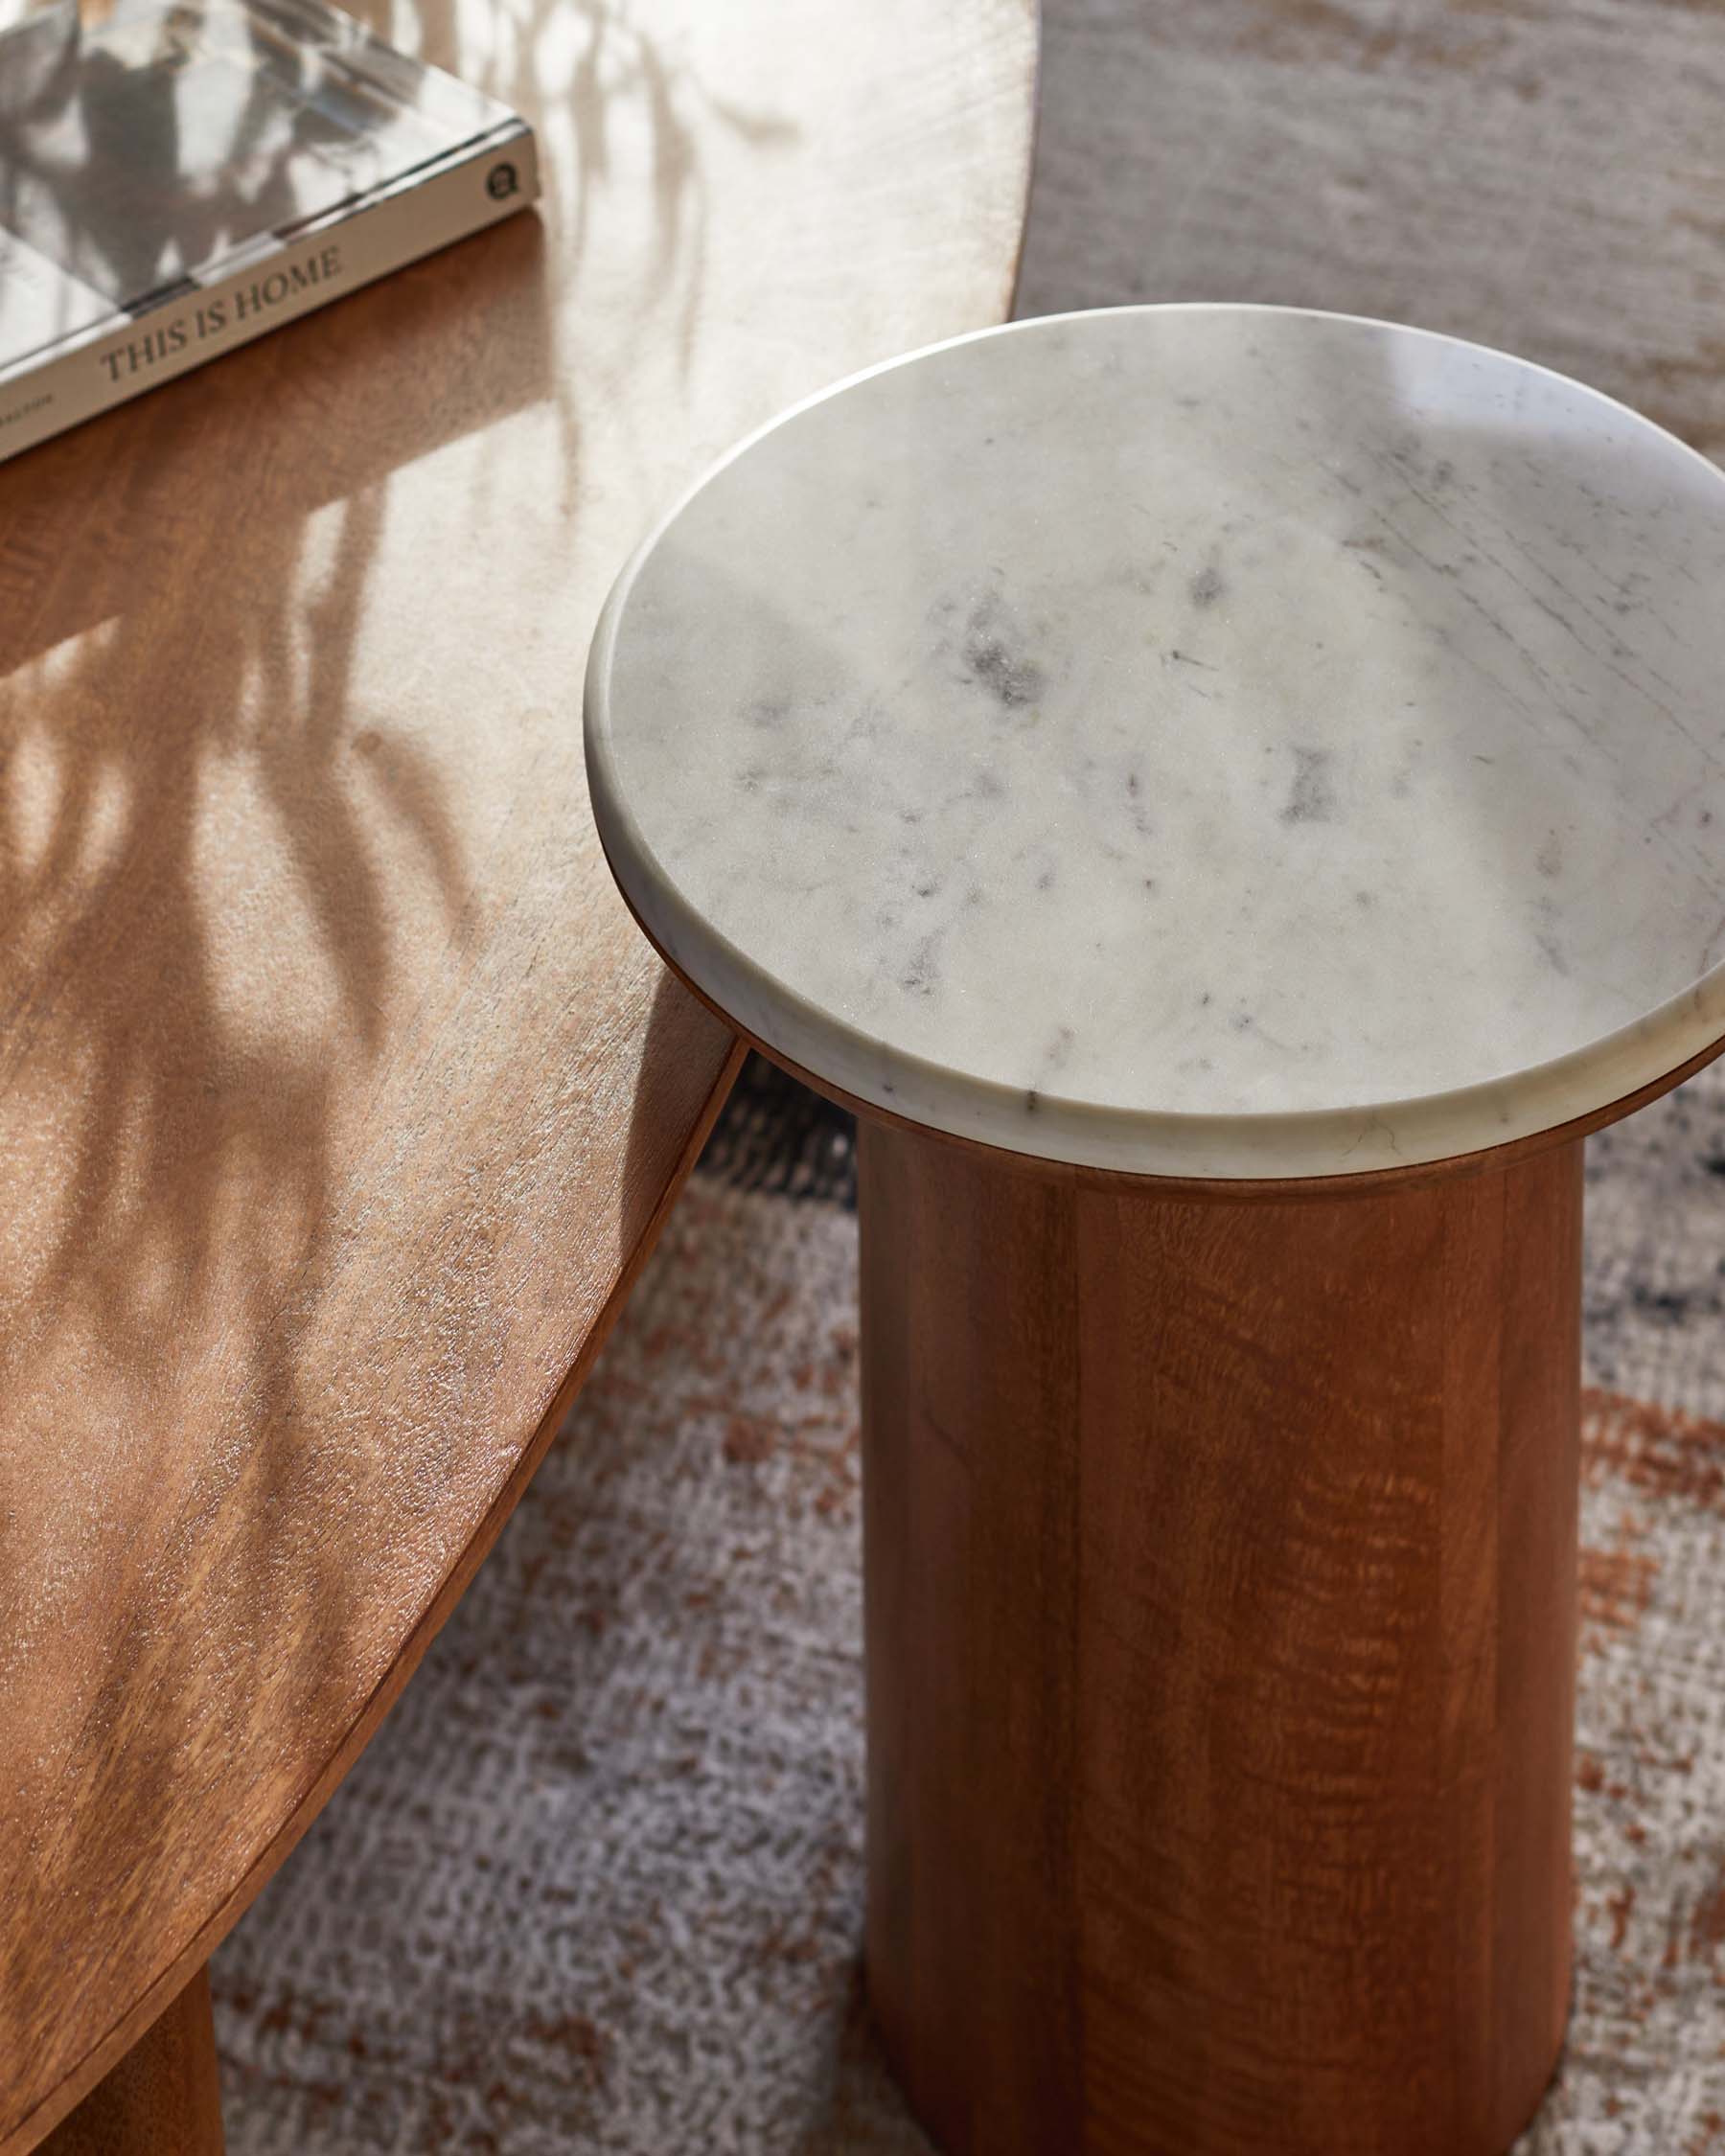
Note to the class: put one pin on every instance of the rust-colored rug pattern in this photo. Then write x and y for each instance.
(596, 1886)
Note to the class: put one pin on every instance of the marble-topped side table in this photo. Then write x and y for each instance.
(1231, 797)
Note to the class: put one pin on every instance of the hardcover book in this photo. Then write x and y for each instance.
(177, 177)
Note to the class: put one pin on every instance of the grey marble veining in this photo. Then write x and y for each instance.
(1201, 740)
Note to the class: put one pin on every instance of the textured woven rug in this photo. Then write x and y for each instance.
(596, 1885)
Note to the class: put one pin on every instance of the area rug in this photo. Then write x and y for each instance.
(596, 1885)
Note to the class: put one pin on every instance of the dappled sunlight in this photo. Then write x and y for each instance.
(338, 1095)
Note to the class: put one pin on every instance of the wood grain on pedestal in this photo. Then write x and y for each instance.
(1220, 1575)
(163, 2098)
(339, 1098)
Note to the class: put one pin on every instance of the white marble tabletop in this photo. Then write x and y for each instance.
(1199, 741)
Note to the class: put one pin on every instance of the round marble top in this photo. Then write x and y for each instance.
(1199, 741)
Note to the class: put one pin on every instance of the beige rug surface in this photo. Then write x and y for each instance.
(596, 1886)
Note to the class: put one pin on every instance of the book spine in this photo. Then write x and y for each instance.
(481, 186)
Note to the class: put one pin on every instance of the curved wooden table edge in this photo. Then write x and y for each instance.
(1015, 273)
(1217, 1190)
(38, 2124)
(28, 2131)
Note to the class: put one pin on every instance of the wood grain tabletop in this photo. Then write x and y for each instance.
(340, 1096)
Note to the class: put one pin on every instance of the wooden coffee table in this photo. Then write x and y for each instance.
(340, 1099)
(1231, 797)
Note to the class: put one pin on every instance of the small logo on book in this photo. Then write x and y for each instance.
(500, 183)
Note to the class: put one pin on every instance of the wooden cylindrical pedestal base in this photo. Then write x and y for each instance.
(163, 2099)
(1221, 1597)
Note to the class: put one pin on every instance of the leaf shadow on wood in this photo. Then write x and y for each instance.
(188, 1033)
(205, 838)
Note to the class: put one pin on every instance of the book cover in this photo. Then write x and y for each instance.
(177, 177)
